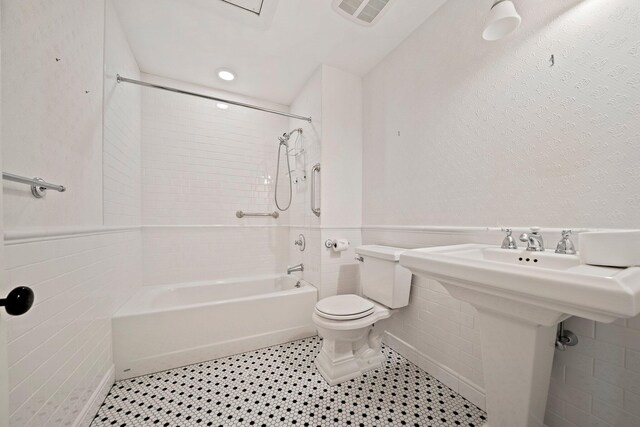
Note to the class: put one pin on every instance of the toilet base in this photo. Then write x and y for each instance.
(348, 354)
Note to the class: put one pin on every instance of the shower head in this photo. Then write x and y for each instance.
(284, 139)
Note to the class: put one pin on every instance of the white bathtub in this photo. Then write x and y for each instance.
(164, 327)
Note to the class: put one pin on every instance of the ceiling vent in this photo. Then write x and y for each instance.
(254, 6)
(364, 12)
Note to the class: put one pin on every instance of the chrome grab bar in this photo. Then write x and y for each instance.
(314, 170)
(242, 214)
(38, 185)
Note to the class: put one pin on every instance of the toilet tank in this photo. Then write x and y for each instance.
(382, 277)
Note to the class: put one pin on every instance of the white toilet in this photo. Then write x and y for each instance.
(348, 324)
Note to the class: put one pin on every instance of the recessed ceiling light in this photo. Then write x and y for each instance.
(226, 75)
(222, 106)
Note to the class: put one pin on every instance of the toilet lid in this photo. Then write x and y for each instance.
(344, 307)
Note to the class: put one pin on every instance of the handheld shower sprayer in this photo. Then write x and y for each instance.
(284, 140)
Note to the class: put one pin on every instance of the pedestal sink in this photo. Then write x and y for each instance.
(521, 296)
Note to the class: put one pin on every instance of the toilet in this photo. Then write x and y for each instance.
(350, 325)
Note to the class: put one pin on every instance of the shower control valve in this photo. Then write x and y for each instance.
(301, 242)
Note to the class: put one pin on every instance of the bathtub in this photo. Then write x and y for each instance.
(168, 326)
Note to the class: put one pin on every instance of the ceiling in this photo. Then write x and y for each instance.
(272, 54)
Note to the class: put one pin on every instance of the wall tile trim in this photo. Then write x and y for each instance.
(463, 230)
(14, 237)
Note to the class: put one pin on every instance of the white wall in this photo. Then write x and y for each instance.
(4, 379)
(341, 148)
(491, 135)
(53, 109)
(462, 132)
(333, 98)
(341, 178)
(302, 220)
(200, 165)
(180, 254)
(60, 362)
(122, 169)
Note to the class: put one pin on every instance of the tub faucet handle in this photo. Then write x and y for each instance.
(509, 242)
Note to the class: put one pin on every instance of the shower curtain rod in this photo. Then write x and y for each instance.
(121, 79)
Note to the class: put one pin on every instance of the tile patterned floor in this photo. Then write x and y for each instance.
(279, 386)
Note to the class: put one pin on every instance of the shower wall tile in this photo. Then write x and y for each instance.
(60, 351)
(307, 103)
(52, 57)
(201, 164)
(310, 257)
(301, 218)
(122, 168)
(179, 254)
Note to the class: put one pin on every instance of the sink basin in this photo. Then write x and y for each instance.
(521, 296)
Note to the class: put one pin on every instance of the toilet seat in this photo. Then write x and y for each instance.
(344, 307)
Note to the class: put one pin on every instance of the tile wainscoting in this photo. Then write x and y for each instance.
(60, 362)
(594, 383)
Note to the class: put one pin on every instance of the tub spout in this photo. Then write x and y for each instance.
(299, 267)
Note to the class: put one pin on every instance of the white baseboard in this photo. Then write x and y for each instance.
(467, 389)
(93, 404)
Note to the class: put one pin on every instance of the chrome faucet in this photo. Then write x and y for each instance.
(299, 267)
(533, 240)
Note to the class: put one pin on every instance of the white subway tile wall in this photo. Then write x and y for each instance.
(60, 351)
(310, 257)
(339, 270)
(122, 167)
(201, 164)
(201, 253)
(302, 220)
(596, 383)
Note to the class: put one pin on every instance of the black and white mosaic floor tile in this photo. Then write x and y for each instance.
(279, 386)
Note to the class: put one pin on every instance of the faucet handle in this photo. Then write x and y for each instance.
(535, 230)
(566, 245)
(509, 242)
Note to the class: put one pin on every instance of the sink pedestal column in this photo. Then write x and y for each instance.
(518, 342)
(516, 361)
